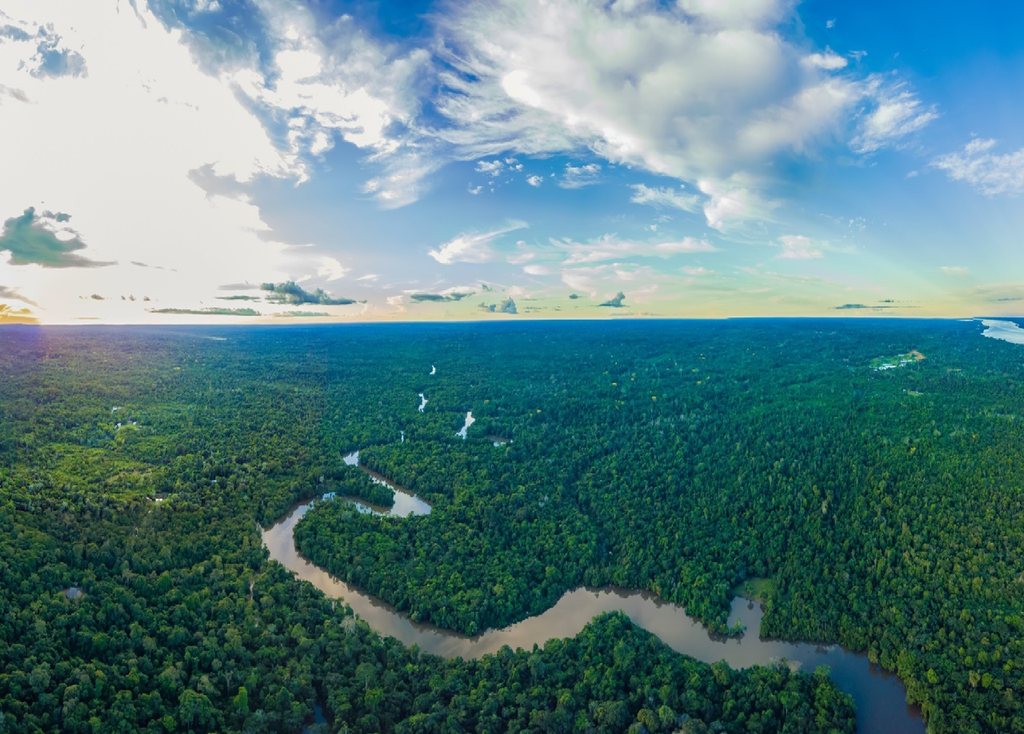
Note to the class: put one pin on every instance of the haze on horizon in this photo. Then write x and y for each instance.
(211, 161)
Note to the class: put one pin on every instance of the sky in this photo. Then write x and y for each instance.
(254, 161)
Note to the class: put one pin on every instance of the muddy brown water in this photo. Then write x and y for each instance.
(880, 697)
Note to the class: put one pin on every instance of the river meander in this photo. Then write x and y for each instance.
(880, 696)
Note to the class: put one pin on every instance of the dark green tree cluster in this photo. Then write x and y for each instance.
(684, 458)
(135, 594)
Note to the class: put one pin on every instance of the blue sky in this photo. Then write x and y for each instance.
(186, 160)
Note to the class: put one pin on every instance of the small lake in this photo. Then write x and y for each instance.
(880, 696)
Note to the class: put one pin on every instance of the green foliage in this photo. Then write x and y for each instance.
(683, 458)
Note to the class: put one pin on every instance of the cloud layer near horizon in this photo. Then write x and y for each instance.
(664, 150)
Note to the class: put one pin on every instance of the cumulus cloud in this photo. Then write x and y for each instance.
(295, 295)
(664, 198)
(44, 239)
(491, 168)
(452, 294)
(616, 302)
(506, 306)
(697, 90)
(535, 181)
(471, 248)
(986, 171)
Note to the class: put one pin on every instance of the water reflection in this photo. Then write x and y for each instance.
(1008, 331)
(406, 503)
(470, 420)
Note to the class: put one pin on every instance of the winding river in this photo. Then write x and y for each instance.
(880, 696)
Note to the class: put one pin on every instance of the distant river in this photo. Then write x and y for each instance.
(880, 697)
(1006, 330)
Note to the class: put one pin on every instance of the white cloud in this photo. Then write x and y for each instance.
(977, 165)
(830, 23)
(610, 247)
(685, 245)
(474, 190)
(664, 197)
(471, 248)
(370, 277)
(897, 113)
(523, 256)
(830, 61)
(798, 247)
(336, 81)
(696, 90)
(535, 181)
(537, 270)
(732, 203)
(955, 270)
(491, 168)
(734, 14)
(331, 269)
(144, 129)
(580, 282)
(397, 302)
(576, 177)
(814, 114)
(691, 270)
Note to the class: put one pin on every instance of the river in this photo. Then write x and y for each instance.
(1007, 331)
(880, 696)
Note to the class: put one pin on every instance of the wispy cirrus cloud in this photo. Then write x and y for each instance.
(472, 247)
(798, 247)
(610, 247)
(897, 113)
(664, 197)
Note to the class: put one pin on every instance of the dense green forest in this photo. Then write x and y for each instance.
(679, 457)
